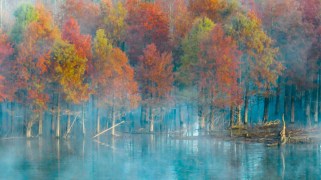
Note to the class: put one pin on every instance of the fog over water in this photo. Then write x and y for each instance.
(156, 157)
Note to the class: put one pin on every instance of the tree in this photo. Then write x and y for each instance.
(218, 66)
(6, 50)
(71, 34)
(147, 24)
(112, 20)
(187, 76)
(284, 23)
(86, 12)
(155, 77)
(24, 15)
(259, 65)
(113, 79)
(190, 45)
(216, 10)
(68, 70)
(33, 64)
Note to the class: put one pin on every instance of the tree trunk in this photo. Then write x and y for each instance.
(201, 119)
(266, 109)
(286, 101)
(246, 106)
(292, 104)
(151, 122)
(180, 114)
(143, 116)
(83, 119)
(307, 108)
(277, 100)
(28, 130)
(212, 118)
(68, 122)
(98, 120)
(113, 121)
(316, 108)
(12, 117)
(52, 129)
(40, 127)
(239, 119)
(58, 117)
(232, 116)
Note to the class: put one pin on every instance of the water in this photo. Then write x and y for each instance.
(155, 157)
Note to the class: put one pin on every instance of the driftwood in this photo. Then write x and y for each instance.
(106, 130)
(8, 138)
(68, 130)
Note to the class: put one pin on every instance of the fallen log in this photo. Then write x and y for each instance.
(104, 131)
(68, 130)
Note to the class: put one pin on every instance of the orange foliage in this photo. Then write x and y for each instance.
(219, 68)
(6, 50)
(71, 33)
(34, 58)
(147, 24)
(155, 74)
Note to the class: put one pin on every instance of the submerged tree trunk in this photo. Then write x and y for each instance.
(232, 116)
(52, 128)
(266, 109)
(68, 123)
(40, 127)
(292, 104)
(212, 118)
(83, 119)
(316, 103)
(98, 121)
(246, 106)
(277, 100)
(180, 114)
(58, 117)
(28, 129)
(201, 118)
(113, 121)
(286, 101)
(143, 116)
(307, 108)
(151, 120)
(12, 117)
(239, 119)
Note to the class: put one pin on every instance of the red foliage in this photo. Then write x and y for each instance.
(85, 11)
(6, 50)
(219, 68)
(147, 24)
(155, 74)
(71, 33)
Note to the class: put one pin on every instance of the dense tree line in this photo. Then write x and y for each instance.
(218, 56)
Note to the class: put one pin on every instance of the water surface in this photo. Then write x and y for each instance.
(155, 157)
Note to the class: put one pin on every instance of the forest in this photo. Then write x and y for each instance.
(97, 64)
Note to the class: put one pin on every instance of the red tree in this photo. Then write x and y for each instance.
(218, 67)
(6, 50)
(155, 76)
(147, 24)
(71, 33)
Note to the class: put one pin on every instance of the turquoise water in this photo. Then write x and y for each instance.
(155, 157)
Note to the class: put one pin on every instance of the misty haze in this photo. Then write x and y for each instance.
(160, 89)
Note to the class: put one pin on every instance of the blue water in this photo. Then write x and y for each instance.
(155, 157)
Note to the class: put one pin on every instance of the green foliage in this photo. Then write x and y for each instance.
(190, 46)
(24, 15)
(113, 21)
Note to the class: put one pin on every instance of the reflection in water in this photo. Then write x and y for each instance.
(155, 157)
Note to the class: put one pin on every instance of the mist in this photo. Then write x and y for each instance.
(160, 89)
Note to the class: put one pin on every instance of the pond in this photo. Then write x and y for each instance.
(140, 156)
